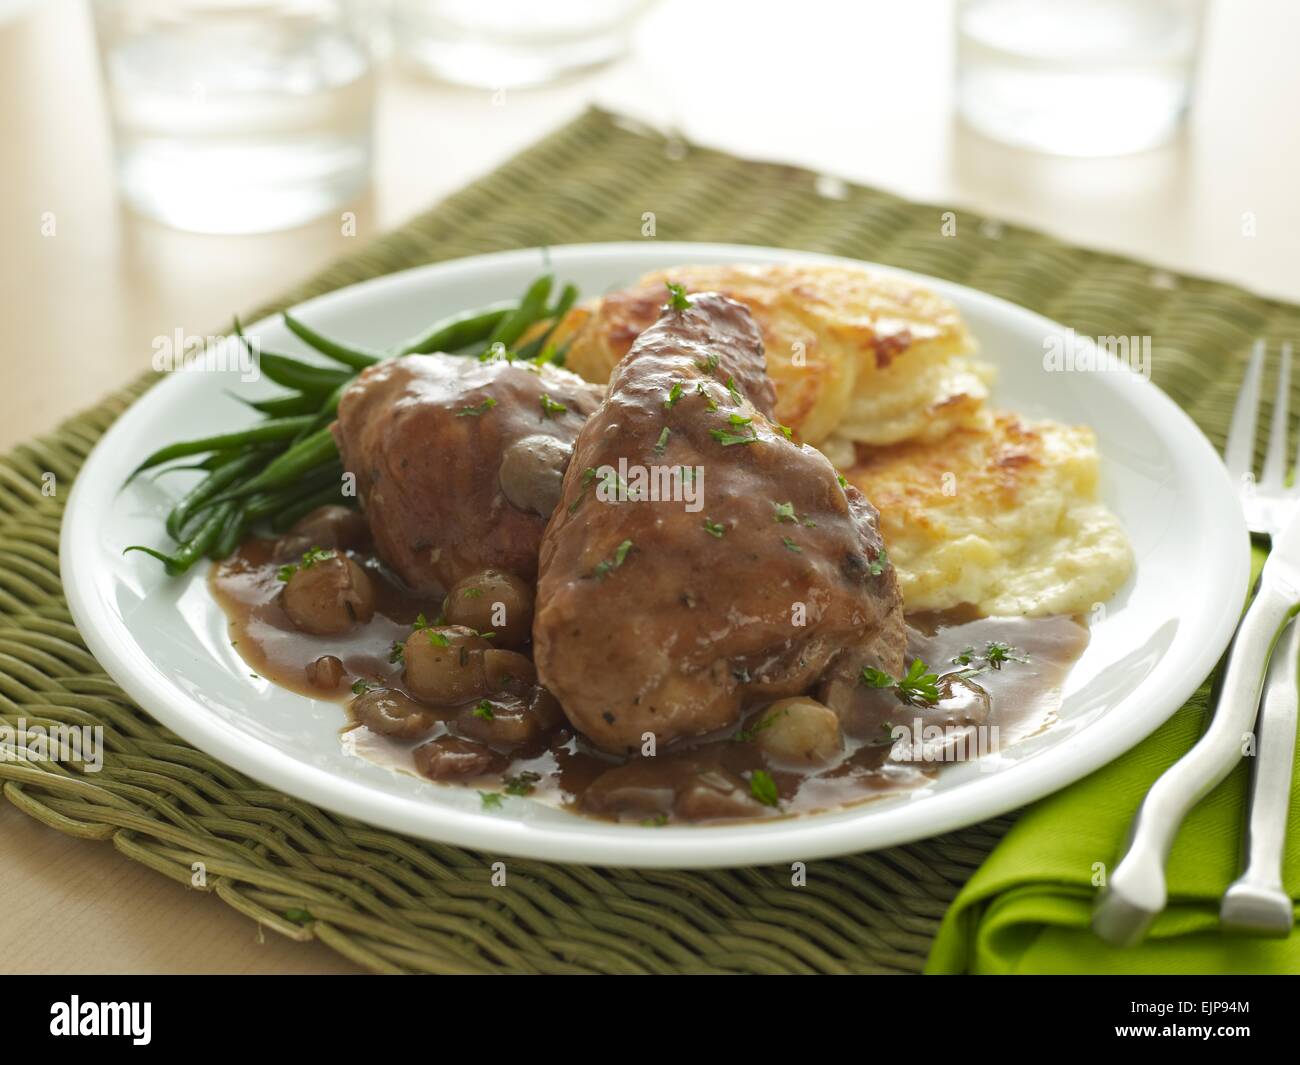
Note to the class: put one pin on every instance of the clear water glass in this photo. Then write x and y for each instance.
(232, 116)
(1077, 77)
(508, 44)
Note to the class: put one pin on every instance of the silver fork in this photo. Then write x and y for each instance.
(1136, 891)
(1257, 902)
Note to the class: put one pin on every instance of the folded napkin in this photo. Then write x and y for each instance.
(1027, 908)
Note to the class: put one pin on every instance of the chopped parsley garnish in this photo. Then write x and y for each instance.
(709, 364)
(607, 566)
(747, 734)
(497, 352)
(735, 392)
(438, 639)
(309, 559)
(763, 788)
(786, 431)
(662, 443)
(880, 563)
(396, 652)
(737, 419)
(995, 655)
(916, 686)
(876, 678)
(474, 412)
(785, 512)
(491, 800)
(523, 784)
(484, 710)
(617, 486)
(549, 406)
(674, 394)
(588, 475)
(790, 545)
(709, 403)
(844, 481)
(472, 593)
(421, 622)
(677, 298)
(727, 439)
(360, 687)
(714, 528)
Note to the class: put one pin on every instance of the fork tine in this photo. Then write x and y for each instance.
(1239, 455)
(1275, 460)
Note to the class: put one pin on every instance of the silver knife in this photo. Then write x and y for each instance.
(1135, 892)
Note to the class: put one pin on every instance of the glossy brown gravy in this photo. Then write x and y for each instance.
(899, 745)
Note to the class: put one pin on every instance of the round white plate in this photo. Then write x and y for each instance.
(165, 641)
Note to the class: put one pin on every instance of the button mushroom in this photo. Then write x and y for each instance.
(391, 713)
(327, 593)
(444, 664)
(532, 473)
(493, 601)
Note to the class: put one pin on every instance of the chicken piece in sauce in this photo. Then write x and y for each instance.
(667, 616)
(459, 462)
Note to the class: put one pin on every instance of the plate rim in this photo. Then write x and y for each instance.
(806, 837)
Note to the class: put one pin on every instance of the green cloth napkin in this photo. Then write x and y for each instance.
(1027, 908)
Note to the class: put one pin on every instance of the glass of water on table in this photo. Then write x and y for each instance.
(237, 116)
(1077, 77)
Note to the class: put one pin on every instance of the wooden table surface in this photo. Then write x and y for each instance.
(861, 91)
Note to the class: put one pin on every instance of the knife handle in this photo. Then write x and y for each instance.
(1257, 902)
(1136, 891)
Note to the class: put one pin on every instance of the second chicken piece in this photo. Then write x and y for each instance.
(666, 616)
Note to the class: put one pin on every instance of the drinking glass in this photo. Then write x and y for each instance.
(507, 44)
(231, 116)
(1077, 77)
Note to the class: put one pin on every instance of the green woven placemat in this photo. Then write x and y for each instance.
(396, 904)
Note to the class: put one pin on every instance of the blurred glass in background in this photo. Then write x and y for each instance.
(238, 117)
(509, 44)
(1077, 77)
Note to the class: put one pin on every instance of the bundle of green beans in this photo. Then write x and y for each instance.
(286, 465)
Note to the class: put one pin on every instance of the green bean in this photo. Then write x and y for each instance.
(331, 407)
(263, 432)
(193, 549)
(218, 458)
(562, 307)
(289, 466)
(458, 331)
(357, 358)
(301, 376)
(232, 532)
(531, 307)
(261, 505)
(283, 406)
(220, 478)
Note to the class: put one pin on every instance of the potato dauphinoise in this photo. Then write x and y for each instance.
(1004, 517)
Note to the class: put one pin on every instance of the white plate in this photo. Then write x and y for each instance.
(165, 641)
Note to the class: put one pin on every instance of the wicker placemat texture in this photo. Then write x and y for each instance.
(395, 904)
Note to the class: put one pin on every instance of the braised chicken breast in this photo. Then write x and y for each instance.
(459, 462)
(700, 560)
